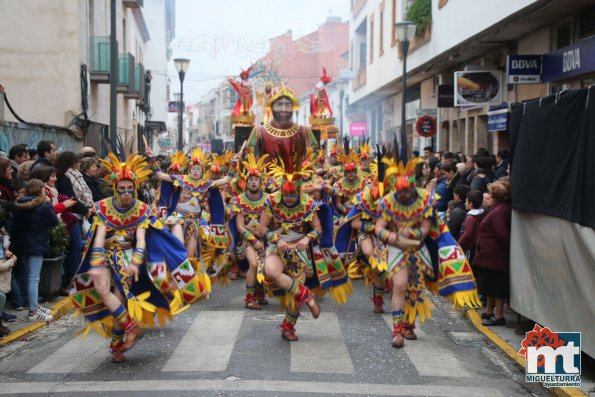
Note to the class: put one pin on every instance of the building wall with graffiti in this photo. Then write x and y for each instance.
(15, 133)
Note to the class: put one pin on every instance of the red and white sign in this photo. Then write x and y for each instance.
(426, 126)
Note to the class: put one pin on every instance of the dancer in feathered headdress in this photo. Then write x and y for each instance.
(125, 245)
(185, 196)
(349, 185)
(365, 157)
(407, 216)
(289, 224)
(362, 252)
(247, 208)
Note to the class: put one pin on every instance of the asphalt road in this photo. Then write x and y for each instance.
(218, 348)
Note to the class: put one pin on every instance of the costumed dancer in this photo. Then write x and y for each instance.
(331, 273)
(188, 197)
(247, 208)
(335, 170)
(128, 249)
(289, 224)
(407, 215)
(357, 242)
(348, 186)
(364, 155)
(281, 131)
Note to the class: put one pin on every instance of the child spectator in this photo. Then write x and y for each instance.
(468, 237)
(7, 261)
(458, 213)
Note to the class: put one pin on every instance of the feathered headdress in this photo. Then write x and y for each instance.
(364, 151)
(280, 92)
(336, 149)
(134, 169)
(253, 167)
(320, 156)
(290, 166)
(198, 157)
(349, 161)
(398, 176)
(179, 162)
(220, 161)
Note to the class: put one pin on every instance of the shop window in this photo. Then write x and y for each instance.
(564, 34)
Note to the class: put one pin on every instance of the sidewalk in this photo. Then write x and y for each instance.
(21, 327)
(509, 342)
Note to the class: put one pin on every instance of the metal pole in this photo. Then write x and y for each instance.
(113, 86)
(405, 49)
(181, 113)
(341, 97)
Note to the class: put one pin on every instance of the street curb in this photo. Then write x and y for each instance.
(475, 319)
(58, 310)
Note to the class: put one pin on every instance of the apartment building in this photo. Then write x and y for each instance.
(58, 72)
(469, 37)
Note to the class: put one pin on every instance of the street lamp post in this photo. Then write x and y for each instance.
(181, 67)
(405, 31)
(177, 98)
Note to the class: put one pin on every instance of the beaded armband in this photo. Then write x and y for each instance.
(272, 236)
(138, 256)
(248, 236)
(383, 235)
(313, 235)
(97, 256)
(416, 234)
(367, 227)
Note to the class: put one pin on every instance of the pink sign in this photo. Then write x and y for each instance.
(359, 128)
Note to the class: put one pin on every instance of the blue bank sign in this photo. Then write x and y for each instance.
(569, 61)
(523, 69)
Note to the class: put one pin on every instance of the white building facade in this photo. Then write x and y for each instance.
(462, 35)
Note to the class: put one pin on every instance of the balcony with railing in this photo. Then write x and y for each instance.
(126, 74)
(132, 3)
(359, 78)
(100, 59)
(138, 85)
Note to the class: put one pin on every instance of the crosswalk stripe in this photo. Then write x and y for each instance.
(69, 358)
(321, 348)
(440, 362)
(208, 343)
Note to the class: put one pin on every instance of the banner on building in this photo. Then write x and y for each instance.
(498, 117)
(446, 96)
(570, 61)
(523, 69)
(358, 128)
(478, 87)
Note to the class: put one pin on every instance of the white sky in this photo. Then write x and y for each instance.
(221, 37)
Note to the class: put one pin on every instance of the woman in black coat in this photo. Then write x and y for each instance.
(34, 217)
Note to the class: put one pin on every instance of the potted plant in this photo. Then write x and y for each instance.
(51, 270)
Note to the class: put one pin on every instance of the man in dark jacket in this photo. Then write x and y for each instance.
(502, 161)
(47, 154)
